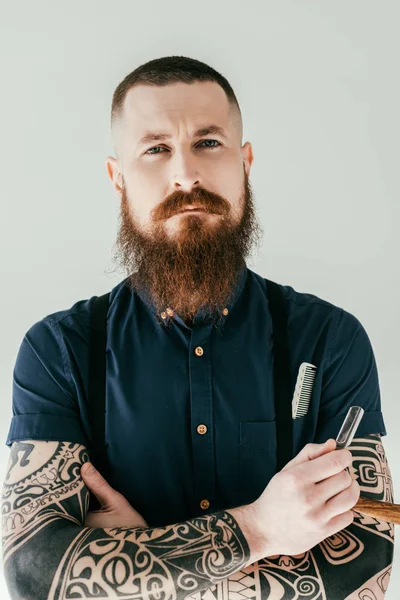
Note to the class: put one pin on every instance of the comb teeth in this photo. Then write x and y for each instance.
(303, 390)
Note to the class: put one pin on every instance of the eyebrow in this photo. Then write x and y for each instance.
(158, 137)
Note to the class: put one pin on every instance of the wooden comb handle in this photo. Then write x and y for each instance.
(386, 511)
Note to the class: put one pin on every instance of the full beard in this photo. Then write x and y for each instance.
(197, 268)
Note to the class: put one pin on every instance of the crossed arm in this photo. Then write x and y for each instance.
(48, 553)
(371, 468)
(353, 564)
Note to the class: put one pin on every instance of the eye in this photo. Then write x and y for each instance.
(211, 141)
(153, 153)
(150, 153)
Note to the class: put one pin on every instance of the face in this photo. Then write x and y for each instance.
(187, 217)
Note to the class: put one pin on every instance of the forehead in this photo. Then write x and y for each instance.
(196, 104)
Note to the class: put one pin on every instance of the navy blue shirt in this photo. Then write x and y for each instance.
(190, 415)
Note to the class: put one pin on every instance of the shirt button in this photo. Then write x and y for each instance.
(199, 351)
(202, 429)
(225, 311)
(163, 315)
(204, 504)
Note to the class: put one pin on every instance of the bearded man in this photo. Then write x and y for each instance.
(172, 384)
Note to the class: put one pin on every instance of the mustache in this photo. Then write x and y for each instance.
(200, 197)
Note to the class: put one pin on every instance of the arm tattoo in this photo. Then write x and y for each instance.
(49, 553)
(353, 564)
(41, 492)
(126, 563)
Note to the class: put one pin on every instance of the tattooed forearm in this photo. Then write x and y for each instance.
(353, 564)
(48, 553)
(168, 562)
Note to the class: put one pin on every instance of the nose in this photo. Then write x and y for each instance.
(186, 185)
(186, 176)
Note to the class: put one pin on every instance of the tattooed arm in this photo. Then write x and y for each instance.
(353, 564)
(371, 469)
(357, 561)
(48, 553)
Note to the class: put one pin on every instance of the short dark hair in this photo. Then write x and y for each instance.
(167, 70)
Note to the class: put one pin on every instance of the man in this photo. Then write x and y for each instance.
(190, 420)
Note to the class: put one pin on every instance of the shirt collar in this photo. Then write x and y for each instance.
(168, 313)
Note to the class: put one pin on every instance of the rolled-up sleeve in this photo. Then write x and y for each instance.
(43, 403)
(350, 379)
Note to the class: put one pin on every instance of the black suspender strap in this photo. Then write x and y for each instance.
(97, 389)
(97, 382)
(282, 376)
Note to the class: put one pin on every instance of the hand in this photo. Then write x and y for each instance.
(309, 500)
(115, 509)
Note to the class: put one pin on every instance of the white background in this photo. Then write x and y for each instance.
(318, 85)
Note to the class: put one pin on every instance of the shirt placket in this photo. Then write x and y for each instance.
(202, 426)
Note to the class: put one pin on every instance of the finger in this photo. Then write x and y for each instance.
(331, 486)
(323, 467)
(342, 502)
(98, 485)
(310, 452)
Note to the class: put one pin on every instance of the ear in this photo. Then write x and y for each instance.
(247, 153)
(114, 174)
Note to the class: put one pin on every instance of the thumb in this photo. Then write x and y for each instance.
(311, 451)
(96, 483)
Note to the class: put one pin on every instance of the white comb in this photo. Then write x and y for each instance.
(303, 390)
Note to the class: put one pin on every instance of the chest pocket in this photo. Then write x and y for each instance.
(257, 456)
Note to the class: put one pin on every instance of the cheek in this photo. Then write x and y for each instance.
(232, 190)
(230, 176)
(143, 196)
